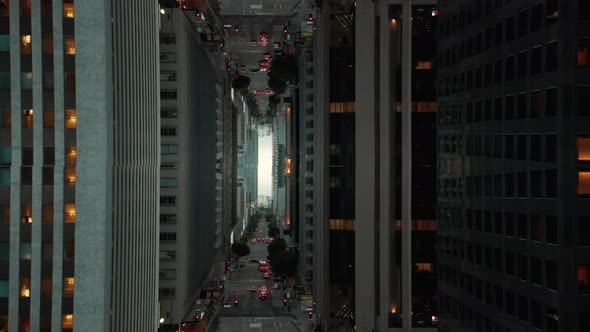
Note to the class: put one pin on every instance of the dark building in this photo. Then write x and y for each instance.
(513, 133)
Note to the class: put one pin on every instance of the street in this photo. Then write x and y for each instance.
(253, 313)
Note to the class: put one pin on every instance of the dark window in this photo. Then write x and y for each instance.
(168, 218)
(47, 177)
(550, 147)
(167, 94)
(509, 107)
(536, 104)
(523, 22)
(521, 147)
(48, 156)
(498, 109)
(551, 231)
(521, 106)
(509, 68)
(551, 56)
(551, 275)
(535, 147)
(536, 17)
(498, 260)
(26, 176)
(584, 100)
(523, 308)
(536, 184)
(551, 11)
(583, 278)
(536, 271)
(521, 222)
(509, 262)
(168, 113)
(168, 237)
(550, 102)
(509, 29)
(509, 146)
(583, 231)
(551, 183)
(521, 184)
(498, 34)
(509, 224)
(583, 52)
(536, 60)
(168, 131)
(488, 38)
(167, 200)
(536, 227)
(510, 303)
(522, 64)
(584, 14)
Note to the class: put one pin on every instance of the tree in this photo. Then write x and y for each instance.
(240, 248)
(277, 246)
(241, 83)
(277, 85)
(284, 263)
(284, 68)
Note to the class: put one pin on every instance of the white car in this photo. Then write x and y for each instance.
(276, 286)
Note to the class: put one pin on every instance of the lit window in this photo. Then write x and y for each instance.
(68, 321)
(70, 213)
(71, 119)
(583, 183)
(70, 45)
(28, 118)
(584, 148)
(342, 224)
(72, 155)
(69, 284)
(424, 267)
(26, 44)
(583, 54)
(70, 176)
(423, 65)
(584, 278)
(25, 287)
(68, 10)
(27, 216)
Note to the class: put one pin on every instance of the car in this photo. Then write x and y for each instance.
(276, 286)
(263, 288)
(253, 289)
(263, 295)
(267, 241)
(266, 276)
(269, 272)
(253, 240)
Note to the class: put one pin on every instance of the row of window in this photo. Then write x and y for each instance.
(507, 69)
(534, 147)
(47, 176)
(510, 224)
(471, 13)
(48, 119)
(533, 184)
(168, 237)
(46, 44)
(540, 316)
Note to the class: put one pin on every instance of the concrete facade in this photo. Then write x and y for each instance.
(84, 166)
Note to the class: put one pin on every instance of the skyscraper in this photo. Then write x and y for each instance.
(513, 89)
(80, 165)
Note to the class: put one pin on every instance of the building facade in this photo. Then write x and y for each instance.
(192, 188)
(80, 165)
(513, 124)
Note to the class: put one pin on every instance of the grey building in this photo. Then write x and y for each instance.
(80, 165)
(513, 86)
(195, 176)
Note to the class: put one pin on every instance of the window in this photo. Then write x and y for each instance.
(168, 237)
(551, 231)
(168, 200)
(69, 10)
(71, 119)
(583, 148)
(167, 39)
(167, 292)
(583, 231)
(70, 45)
(509, 29)
(166, 274)
(509, 68)
(167, 182)
(167, 113)
(536, 60)
(521, 223)
(69, 285)
(551, 11)
(536, 271)
(523, 308)
(551, 183)
(536, 17)
(169, 148)
(169, 76)
(584, 100)
(509, 262)
(168, 218)
(47, 213)
(70, 213)
(167, 94)
(167, 57)
(49, 119)
(550, 147)
(70, 176)
(551, 57)
(523, 22)
(583, 183)
(521, 70)
(551, 274)
(584, 278)
(168, 131)
(47, 176)
(167, 255)
(583, 9)
(536, 228)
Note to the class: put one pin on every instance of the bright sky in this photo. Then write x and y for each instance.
(265, 165)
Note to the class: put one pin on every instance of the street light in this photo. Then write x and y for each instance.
(162, 320)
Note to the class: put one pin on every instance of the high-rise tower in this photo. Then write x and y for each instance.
(80, 165)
